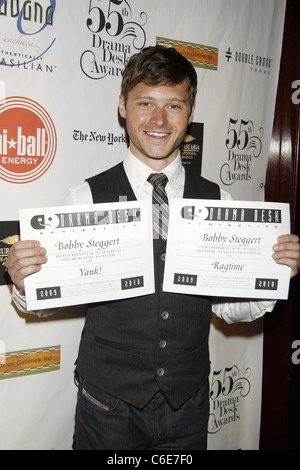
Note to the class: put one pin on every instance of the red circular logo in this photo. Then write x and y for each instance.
(27, 140)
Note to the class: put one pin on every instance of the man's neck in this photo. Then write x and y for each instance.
(156, 164)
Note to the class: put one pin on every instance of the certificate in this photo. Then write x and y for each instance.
(95, 253)
(224, 248)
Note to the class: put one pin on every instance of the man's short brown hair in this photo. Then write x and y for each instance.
(159, 65)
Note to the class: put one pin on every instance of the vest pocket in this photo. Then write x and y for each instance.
(195, 348)
(118, 346)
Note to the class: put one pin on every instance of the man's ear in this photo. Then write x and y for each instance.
(192, 114)
(122, 106)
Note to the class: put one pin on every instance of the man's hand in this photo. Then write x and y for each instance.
(24, 258)
(287, 251)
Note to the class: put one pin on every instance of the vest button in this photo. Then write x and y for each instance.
(163, 343)
(163, 256)
(160, 371)
(164, 315)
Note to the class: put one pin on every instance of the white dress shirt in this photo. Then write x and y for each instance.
(137, 172)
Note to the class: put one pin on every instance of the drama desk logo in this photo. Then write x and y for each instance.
(27, 140)
(229, 387)
(115, 33)
(244, 146)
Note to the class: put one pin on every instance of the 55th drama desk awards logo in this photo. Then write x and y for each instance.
(27, 140)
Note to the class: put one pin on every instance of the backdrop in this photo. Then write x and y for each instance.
(61, 64)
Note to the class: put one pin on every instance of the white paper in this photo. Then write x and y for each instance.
(95, 253)
(224, 248)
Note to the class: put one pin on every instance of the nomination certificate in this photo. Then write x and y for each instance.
(95, 253)
(224, 248)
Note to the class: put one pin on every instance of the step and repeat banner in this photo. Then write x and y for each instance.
(61, 64)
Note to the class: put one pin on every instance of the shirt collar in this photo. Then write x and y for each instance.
(137, 172)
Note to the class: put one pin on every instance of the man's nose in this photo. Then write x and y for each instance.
(159, 117)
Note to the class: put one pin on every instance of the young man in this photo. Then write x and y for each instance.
(144, 362)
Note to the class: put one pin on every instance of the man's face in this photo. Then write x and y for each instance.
(156, 119)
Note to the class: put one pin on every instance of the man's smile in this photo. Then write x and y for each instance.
(158, 135)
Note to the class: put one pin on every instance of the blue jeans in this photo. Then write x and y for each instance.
(104, 422)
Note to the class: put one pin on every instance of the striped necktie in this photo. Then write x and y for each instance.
(160, 207)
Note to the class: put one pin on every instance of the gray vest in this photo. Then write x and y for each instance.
(132, 348)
